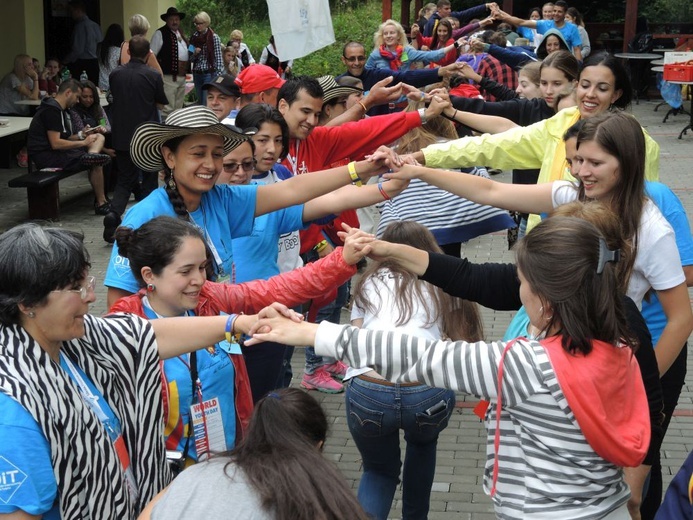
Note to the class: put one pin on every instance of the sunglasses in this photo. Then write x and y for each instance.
(248, 166)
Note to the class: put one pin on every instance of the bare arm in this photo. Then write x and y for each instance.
(57, 143)
(526, 198)
(350, 197)
(480, 122)
(19, 515)
(379, 94)
(677, 307)
(302, 188)
(578, 53)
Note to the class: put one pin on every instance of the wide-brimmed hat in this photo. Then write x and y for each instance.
(331, 89)
(170, 12)
(226, 84)
(145, 147)
(258, 78)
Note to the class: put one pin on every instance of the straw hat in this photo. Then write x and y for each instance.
(331, 89)
(145, 147)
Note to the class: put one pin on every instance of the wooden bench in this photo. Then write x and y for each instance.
(43, 194)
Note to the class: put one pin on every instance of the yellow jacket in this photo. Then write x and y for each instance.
(535, 146)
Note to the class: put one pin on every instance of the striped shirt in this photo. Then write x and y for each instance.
(547, 470)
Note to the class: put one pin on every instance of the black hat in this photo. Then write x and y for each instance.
(226, 84)
(170, 12)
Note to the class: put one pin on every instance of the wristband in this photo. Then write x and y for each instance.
(456, 45)
(80, 135)
(383, 192)
(363, 106)
(320, 246)
(355, 179)
(230, 323)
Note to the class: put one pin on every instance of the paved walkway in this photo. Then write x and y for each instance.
(457, 492)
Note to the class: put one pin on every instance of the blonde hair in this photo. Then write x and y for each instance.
(138, 25)
(19, 60)
(236, 34)
(378, 35)
(202, 17)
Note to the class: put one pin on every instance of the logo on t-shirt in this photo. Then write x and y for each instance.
(11, 478)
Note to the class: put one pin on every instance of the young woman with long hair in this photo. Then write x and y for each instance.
(388, 297)
(579, 379)
(277, 472)
(168, 259)
(610, 166)
(109, 53)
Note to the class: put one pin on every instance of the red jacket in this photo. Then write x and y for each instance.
(291, 289)
(449, 57)
(326, 145)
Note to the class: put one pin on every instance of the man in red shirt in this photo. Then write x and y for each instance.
(314, 148)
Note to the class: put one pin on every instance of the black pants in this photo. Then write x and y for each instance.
(129, 182)
(672, 383)
(265, 364)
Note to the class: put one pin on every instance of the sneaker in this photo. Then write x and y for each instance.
(103, 209)
(337, 369)
(95, 159)
(22, 159)
(110, 222)
(321, 381)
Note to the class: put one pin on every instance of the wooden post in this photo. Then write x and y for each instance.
(631, 20)
(508, 8)
(406, 8)
(387, 9)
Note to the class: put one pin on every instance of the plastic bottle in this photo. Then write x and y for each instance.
(83, 76)
(65, 74)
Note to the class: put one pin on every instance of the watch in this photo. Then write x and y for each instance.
(422, 114)
(81, 136)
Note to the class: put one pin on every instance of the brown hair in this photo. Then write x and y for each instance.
(585, 305)
(459, 319)
(621, 136)
(281, 458)
(563, 61)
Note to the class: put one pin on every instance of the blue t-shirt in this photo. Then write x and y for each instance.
(569, 32)
(28, 481)
(672, 209)
(225, 212)
(255, 255)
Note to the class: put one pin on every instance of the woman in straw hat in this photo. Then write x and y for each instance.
(190, 148)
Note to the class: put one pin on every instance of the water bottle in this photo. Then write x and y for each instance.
(83, 76)
(65, 74)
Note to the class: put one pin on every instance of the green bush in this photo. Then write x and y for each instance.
(352, 20)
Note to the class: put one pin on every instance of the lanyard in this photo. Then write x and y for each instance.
(84, 390)
(218, 263)
(293, 160)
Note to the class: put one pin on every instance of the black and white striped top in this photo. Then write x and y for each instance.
(119, 355)
(547, 470)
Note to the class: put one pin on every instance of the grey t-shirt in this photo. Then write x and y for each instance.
(205, 487)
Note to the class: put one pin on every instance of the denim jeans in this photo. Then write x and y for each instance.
(375, 414)
(332, 313)
(200, 79)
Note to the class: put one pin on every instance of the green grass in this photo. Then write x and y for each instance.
(350, 23)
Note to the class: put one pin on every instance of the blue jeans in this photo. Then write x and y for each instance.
(200, 79)
(375, 414)
(332, 313)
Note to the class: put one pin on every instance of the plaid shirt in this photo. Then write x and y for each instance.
(201, 64)
(491, 68)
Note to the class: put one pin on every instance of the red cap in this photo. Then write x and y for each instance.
(258, 78)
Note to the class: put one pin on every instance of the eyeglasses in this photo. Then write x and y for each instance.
(354, 59)
(247, 166)
(83, 290)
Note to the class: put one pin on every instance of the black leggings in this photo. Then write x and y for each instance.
(672, 383)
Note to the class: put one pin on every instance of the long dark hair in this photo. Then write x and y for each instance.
(585, 305)
(622, 80)
(94, 111)
(459, 319)
(621, 136)
(435, 44)
(114, 37)
(281, 459)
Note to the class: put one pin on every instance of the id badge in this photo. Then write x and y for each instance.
(122, 452)
(208, 428)
(223, 278)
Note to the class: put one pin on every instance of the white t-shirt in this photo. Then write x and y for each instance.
(657, 263)
(379, 288)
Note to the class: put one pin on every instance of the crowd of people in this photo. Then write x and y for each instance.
(254, 209)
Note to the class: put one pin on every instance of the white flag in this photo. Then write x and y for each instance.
(300, 26)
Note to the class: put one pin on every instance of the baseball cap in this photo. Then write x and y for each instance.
(226, 84)
(258, 78)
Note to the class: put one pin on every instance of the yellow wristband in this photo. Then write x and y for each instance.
(355, 179)
(321, 245)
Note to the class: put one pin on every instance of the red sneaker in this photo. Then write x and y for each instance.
(321, 381)
(337, 369)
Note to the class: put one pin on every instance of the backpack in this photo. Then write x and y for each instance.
(642, 43)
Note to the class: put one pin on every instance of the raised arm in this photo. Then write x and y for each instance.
(526, 198)
(479, 122)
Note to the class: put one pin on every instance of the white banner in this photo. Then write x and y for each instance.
(300, 26)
